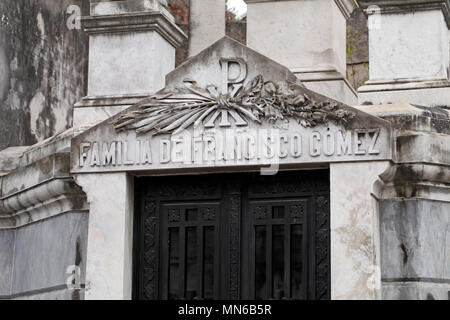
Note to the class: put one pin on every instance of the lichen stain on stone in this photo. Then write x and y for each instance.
(46, 70)
(404, 254)
(45, 166)
(358, 242)
(4, 74)
(37, 122)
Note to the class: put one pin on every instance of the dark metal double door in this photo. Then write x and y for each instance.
(233, 236)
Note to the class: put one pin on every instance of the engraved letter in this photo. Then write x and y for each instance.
(344, 144)
(95, 156)
(146, 152)
(109, 154)
(358, 142)
(314, 148)
(164, 151)
(83, 153)
(328, 144)
(283, 151)
(226, 80)
(126, 152)
(296, 146)
(376, 134)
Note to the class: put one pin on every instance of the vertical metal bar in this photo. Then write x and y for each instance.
(269, 261)
(251, 253)
(247, 250)
(200, 261)
(218, 250)
(141, 253)
(165, 255)
(182, 246)
(287, 259)
(309, 263)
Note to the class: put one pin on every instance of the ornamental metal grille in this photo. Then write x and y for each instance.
(233, 236)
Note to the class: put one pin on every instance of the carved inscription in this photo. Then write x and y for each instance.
(230, 145)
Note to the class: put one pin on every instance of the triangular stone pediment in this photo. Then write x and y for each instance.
(231, 107)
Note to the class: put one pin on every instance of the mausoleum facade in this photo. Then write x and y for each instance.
(247, 172)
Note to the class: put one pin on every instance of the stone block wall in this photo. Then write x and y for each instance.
(357, 49)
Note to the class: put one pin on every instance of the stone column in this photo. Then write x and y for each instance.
(131, 49)
(355, 230)
(110, 235)
(408, 52)
(308, 37)
(207, 24)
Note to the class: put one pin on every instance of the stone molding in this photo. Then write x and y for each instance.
(135, 22)
(403, 6)
(128, 6)
(403, 84)
(346, 6)
(39, 190)
(414, 181)
(47, 199)
(109, 101)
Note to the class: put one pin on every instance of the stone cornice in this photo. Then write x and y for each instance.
(47, 199)
(38, 191)
(402, 6)
(410, 181)
(135, 22)
(346, 6)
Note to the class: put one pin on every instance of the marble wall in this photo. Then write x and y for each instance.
(6, 260)
(415, 249)
(34, 258)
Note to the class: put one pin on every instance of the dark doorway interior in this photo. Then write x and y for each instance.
(233, 236)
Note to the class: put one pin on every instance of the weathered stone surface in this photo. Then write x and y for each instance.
(408, 63)
(357, 38)
(357, 49)
(407, 118)
(63, 294)
(415, 240)
(9, 158)
(408, 6)
(415, 249)
(45, 249)
(110, 242)
(415, 291)
(189, 84)
(313, 49)
(131, 49)
(55, 166)
(6, 261)
(207, 24)
(355, 243)
(42, 69)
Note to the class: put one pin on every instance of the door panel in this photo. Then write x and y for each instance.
(233, 236)
(277, 229)
(192, 238)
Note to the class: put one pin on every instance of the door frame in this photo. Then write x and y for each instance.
(355, 261)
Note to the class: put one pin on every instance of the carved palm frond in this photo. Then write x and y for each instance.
(194, 106)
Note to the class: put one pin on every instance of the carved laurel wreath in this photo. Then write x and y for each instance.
(257, 100)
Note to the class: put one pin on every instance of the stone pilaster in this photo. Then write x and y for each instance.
(131, 49)
(290, 32)
(207, 24)
(409, 52)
